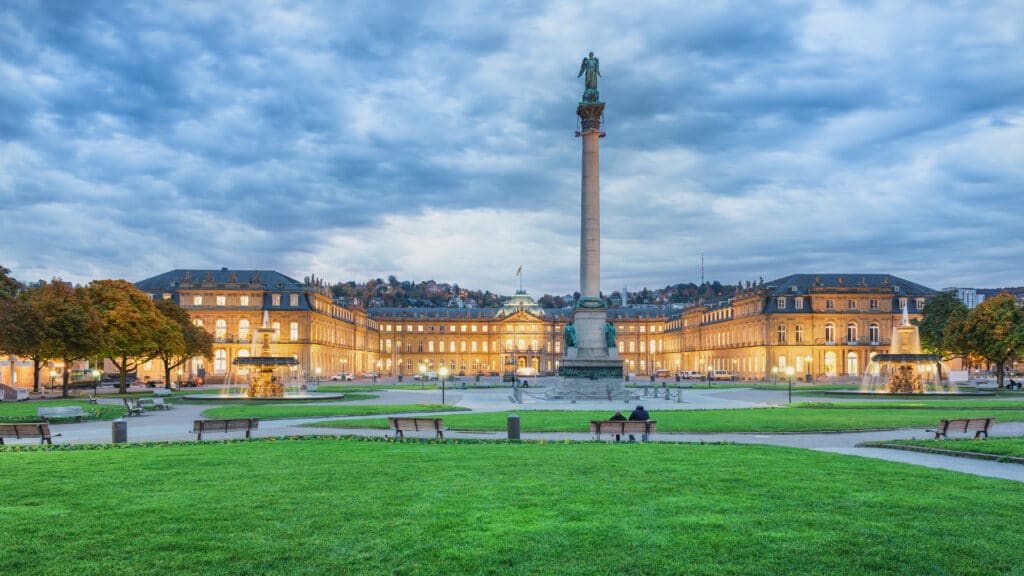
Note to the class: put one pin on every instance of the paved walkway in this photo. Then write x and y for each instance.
(175, 424)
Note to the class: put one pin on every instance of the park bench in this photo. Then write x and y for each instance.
(225, 426)
(154, 403)
(400, 425)
(620, 427)
(161, 392)
(977, 425)
(135, 407)
(92, 399)
(39, 430)
(61, 412)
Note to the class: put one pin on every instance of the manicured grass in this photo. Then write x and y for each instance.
(944, 404)
(997, 446)
(744, 420)
(263, 402)
(26, 411)
(350, 507)
(272, 411)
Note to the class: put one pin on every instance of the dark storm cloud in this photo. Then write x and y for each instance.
(430, 139)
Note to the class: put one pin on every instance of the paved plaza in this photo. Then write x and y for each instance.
(175, 424)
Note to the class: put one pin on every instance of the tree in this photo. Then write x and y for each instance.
(936, 317)
(72, 327)
(8, 286)
(131, 324)
(21, 333)
(992, 330)
(180, 339)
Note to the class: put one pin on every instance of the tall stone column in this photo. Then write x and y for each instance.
(590, 215)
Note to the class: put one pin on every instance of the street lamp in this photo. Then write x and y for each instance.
(423, 374)
(442, 373)
(775, 375)
(789, 374)
(808, 361)
(317, 377)
(179, 378)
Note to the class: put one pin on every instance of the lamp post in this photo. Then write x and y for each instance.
(442, 372)
(318, 377)
(775, 375)
(423, 374)
(807, 364)
(179, 378)
(789, 374)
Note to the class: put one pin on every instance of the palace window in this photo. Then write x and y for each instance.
(782, 334)
(484, 345)
(798, 303)
(830, 333)
(293, 300)
(277, 331)
(275, 299)
(919, 304)
(293, 331)
(243, 329)
(198, 322)
(451, 345)
(220, 329)
(851, 332)
(220, 361)
(222, 300)
(243, 300)
(851, 304)
(781, 303)
(830, 304)
(472, 346)
(903, 303)
(197, 300)
(873, 304)
(873, 332)
(798, 333)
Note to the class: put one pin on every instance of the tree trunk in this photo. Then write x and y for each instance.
(66, 378)
(36, 367)
(122, 370)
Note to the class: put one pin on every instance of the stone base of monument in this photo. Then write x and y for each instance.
(589, 379)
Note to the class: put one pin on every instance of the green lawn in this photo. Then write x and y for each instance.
(997, 446)
(272, 411)
(944, 404)
(744, 420)
(350, 507)
(26, 411)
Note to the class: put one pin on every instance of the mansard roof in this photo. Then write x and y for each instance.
(222, 278)
(805, 282)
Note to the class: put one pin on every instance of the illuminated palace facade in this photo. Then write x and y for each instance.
(819, 325)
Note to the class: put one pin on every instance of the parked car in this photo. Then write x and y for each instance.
(717, 375)
(691, 375)
(661, 373)
(343, 377)
(369, 374)
(427, 376)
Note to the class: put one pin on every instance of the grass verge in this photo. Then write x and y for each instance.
(993, 446)
(351, 507)
(15, 412)
(743, 420)
(277, 411)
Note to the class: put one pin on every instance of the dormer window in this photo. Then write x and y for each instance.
(781, 303)
(798, 303)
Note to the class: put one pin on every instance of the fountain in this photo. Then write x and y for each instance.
(905, 370)
(265, 383)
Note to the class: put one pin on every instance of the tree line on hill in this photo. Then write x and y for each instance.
(111, 319)
(394, 293)
(992, 332)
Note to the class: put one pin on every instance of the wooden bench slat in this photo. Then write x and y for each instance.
(401, 424)
(620, 427)
(39, 430)
(977, 425)
(225, 426)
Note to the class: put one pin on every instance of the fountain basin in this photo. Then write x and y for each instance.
(288, 397)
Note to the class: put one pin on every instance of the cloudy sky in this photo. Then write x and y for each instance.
(435, 140)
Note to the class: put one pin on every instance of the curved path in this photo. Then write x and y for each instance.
(176, 423)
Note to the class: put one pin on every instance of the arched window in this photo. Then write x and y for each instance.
(830, 363)
(830, 333)
(243, 329)
(220, 361)
(782, 334)
(220, 329)
(851, 364)
(873, 331)
(851, 332)
(198, 322)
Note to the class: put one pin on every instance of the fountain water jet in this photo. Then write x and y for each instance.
(904, 370)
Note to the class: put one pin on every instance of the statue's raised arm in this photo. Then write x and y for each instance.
(591, 67)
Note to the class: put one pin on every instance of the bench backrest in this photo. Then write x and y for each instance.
(623, 426)
(59, 411)
(225, 425)
(34, 430)
(966, 424)
(398, 423)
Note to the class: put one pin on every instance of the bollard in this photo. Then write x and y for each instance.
(646, 393)
(513, 426)
(399, 378)
(679, 396)
(119, 431)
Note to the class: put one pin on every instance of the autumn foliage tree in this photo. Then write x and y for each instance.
(936, 316)
(993, 331)
(179, 339)
(71, 327)
(132, 325)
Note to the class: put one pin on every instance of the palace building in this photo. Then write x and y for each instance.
(817, 325)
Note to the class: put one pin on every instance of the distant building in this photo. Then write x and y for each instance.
(969, 296)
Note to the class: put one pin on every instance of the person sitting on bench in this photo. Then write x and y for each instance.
(639, 415)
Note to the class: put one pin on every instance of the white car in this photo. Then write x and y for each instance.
(369, 374)
(343, 377)
(691, 375)
(721, 375)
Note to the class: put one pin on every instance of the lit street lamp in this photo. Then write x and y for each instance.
(808, 361)
(423, 374)
(789, 374)
(442, 373)
(317, 377)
